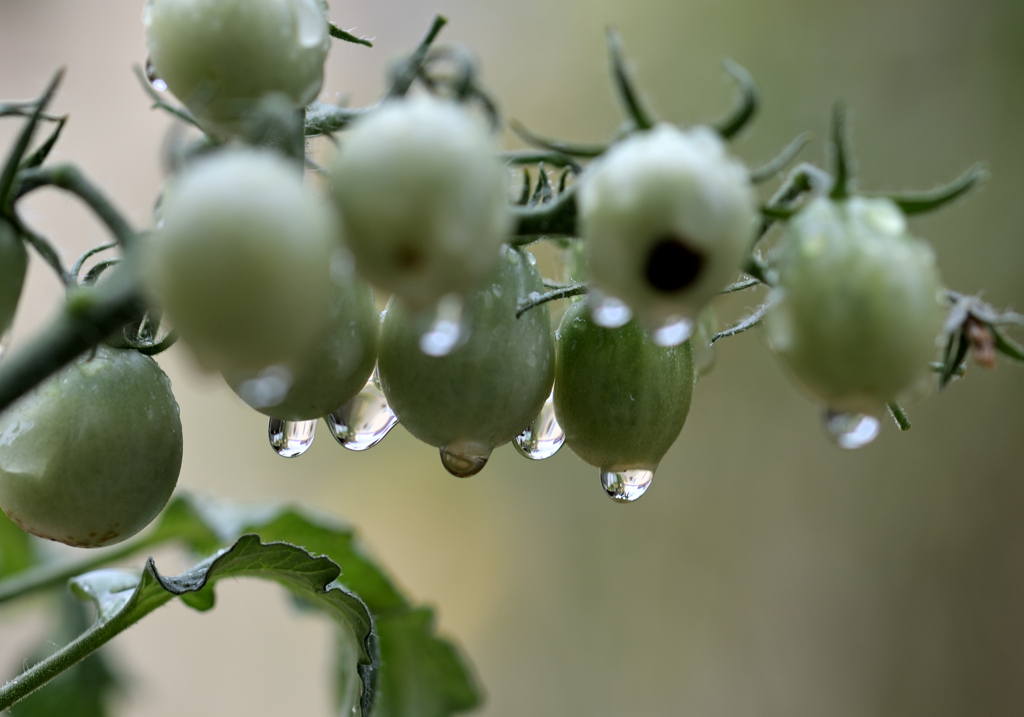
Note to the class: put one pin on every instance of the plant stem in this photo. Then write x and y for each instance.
(69, 178)
(74, 652)
(54, 575)
(78, 328)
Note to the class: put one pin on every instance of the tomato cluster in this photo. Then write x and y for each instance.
(266, 276)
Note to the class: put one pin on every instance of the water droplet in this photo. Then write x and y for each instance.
(291, 438)
(154, 80)
(312, 26)
(531, 258)
(626, 486)
(364, 421)
(851, 430)
(544, 436)
(464, 461)
(674, 331)
(5, 338)
(446, 332)
(607, 311)
(267, 389)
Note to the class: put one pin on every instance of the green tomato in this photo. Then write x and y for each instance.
(91, 455)
(13, 263)
(333, 370)
(620, 398)
(668, 217)
(857, 308)
(422, 199)
(485, 392)
(220, 57)
(242, 261)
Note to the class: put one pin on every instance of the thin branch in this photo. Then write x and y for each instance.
(76, 329)
(69, 178)
(564, 292)
(748, 323)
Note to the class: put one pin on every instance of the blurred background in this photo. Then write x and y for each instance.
(766, 572)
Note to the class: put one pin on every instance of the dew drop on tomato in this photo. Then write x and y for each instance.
(463, 463)
(851, 430)
(364, 421)
(626, 486)
(291, 438)
(543, 437)
(607, 311)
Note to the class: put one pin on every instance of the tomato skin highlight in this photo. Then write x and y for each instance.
(336, 367)
(857, 308)
(668, 217)
(422, 199)
(13, 265)
(91, 455)
(242, 261)
(487, 391)
(621, 399)
(220, 57)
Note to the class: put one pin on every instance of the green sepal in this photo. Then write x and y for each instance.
(339, 34)
(932, 199)
(747, 104)
(1007, 346)
(841, 154)
(625, 87)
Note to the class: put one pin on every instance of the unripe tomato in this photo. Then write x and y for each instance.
(422, 199)
(242, 261)
(92, 455)
(668, 217)
(620, 398)
(485, 392)
(220, 57)
(334, 368)
(857, 308)
(13, 263)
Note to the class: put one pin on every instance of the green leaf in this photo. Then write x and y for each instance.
(440, 681)
(122, 598)
(420, 676)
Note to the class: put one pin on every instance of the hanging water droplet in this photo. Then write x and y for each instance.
(674, 331)
(464, 461)
(447, 331)
(531, 258)
(153, 79)
(266, 389)
(364, 421)
(291, 438)
(311, 25)
(626, 486)
(851, 430)
(544, 436)
(607, 311)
